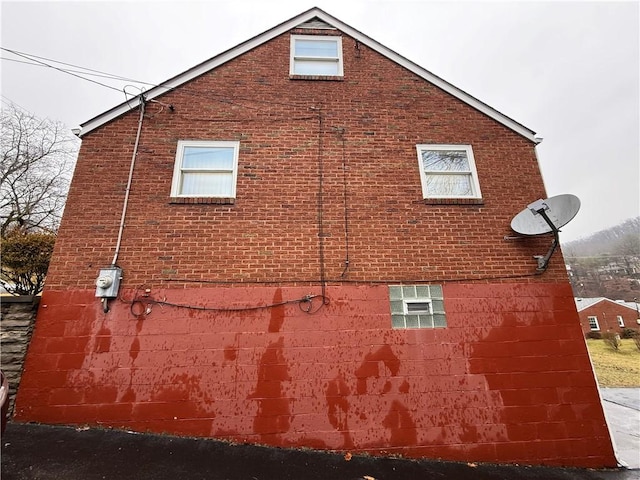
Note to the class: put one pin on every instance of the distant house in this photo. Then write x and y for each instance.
(602, 315)
(313, 238)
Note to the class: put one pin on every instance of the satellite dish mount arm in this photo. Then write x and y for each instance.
(539, 207)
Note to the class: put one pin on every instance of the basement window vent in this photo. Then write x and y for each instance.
(417, 306)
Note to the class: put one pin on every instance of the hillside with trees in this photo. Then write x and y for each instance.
(607, 263)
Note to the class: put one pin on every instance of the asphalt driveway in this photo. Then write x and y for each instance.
(45, 452)
(31, 451)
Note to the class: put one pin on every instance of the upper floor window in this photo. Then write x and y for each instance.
(448, 171)
(316, 55)
(205, 169)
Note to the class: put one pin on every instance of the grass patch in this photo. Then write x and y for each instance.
(613, 368)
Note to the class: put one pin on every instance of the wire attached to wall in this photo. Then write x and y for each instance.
(363, 281)
(323, 281)
(143, 305)
(129, 182)
(341, 132)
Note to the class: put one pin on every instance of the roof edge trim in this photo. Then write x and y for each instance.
(605, 299)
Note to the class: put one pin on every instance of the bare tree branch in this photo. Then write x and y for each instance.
(37, 158)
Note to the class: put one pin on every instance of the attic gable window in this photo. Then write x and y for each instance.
(448, 172)
(316, 55)
(205, 169)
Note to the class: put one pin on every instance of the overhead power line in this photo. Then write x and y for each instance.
(37, 60)
(67, 70)
(59, 69)
(85, 70)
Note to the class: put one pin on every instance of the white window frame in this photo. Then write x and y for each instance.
(338, 59)
(428, 311)
(593, 321)
(473, 173)
(620, 321)
(178, 170)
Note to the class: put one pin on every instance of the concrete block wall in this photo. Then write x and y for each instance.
(508, 380)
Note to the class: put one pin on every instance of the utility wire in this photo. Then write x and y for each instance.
(321, 203)
(363, 281)
(603, 255)
(63, 70)
(152, 301)
(86, 70)
(7, 101)
(68, 70)
(209, 95)
(346, 204)
(305, 304)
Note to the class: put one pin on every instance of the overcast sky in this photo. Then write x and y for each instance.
(567, 70)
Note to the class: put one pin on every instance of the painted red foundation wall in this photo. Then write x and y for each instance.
(508, 379)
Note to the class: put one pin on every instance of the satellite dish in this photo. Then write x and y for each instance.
(546, 216)
(560, 210)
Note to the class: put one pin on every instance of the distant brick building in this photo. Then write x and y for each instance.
(313, 254)
(603, 315)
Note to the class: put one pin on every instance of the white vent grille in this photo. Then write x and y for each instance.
(316, 23)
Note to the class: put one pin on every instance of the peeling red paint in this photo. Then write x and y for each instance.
(507, 380)
(274, 416)
(230, 353)
(277, 313)
(370, 366)
(401, 425)
(103, 340)
(338, 409)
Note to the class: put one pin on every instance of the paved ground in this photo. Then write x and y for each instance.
(44, 452)
(622, 409)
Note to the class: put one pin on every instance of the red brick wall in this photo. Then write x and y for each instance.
(607, 312)
(509, 378)
(272, 231)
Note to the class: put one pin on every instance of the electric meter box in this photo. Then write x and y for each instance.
(108, 282)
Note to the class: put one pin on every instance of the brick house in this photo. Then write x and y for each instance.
(602, 315)
(300, 266)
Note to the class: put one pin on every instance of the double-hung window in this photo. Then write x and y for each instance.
(205, 169)
(316, 55)
(593, 323)
(448, 171)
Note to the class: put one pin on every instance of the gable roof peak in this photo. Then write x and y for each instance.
(316, 16)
